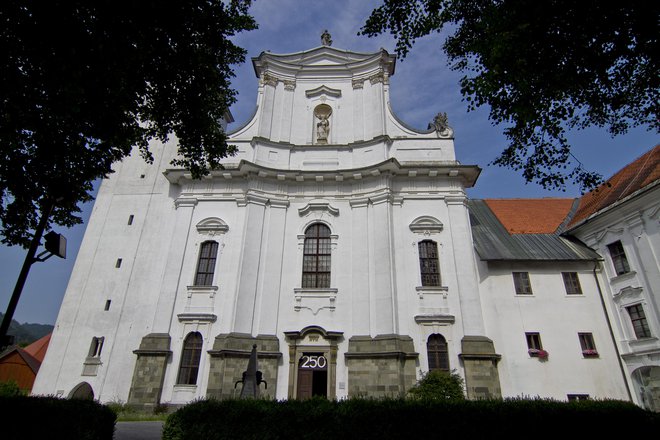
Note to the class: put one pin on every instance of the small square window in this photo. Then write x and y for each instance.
(522, 283)
(118, 263)
(577, 397)
(639, 322)
(588, 345)
(572, 283)
(619, 259)
(534, 346)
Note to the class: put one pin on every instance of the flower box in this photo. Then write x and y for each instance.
(539, 353)
(590, 353)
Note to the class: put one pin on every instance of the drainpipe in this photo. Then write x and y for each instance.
(609, 326)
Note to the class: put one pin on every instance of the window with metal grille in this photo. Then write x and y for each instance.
(522, 283)
(572, 283)
(639, 323)
(619, 259)
(206, 264)
(316, 257)
(190, 356)
(428, 263)
(436, 347)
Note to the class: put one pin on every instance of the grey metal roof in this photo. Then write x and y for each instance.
(493, 242)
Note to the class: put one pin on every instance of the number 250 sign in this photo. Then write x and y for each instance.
(313, 362)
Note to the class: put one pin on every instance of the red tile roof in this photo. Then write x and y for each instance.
(633, 177)
(530, 216)
(38, 348)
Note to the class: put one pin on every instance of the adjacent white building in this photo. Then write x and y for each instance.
(341, 242)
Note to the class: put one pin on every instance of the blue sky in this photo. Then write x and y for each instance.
(421, 87)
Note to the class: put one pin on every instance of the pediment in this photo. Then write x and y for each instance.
(212, 226)
(323, 90)
(318, 205)
(426, 224)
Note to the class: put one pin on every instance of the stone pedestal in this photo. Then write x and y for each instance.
(383, 366)
(482, 379)
(229, 359)
(149, 373)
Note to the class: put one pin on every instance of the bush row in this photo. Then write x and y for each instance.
(26, 417)
(405, 418)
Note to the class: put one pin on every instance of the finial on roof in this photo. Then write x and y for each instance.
(326, 40)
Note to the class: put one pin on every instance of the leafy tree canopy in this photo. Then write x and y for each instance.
(83, 82)
(543, 67)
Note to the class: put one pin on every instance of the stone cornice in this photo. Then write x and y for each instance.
(467, 174)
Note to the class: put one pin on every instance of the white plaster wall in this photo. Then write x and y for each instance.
(558, 318)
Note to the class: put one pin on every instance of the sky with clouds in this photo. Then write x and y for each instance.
(421, 87)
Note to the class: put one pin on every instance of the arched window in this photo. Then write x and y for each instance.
(316, 257)
(206, 264)
(190, 355)
(436, 347)
(428, 263)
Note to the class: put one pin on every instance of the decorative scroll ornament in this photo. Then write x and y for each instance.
(441, 125)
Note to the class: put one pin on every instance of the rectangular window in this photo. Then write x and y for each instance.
(206, 263)
(522, 283)
(619, 259)
(577, 397)
(96, 346)
(572, 283)
(428, 263)
(118, 263)
(638, 320)
(534, 346)
(107, 305)
(587, 344)
(130, 219)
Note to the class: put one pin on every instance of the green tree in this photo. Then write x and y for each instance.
(543, 67)
(439, 385)
(83, 82)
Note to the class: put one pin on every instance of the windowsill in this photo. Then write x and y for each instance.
(642, 341)
(574, 295)
(432, 290)
(623, 276)
(93, 361)
(525, 295)
(321, 292)
(185, 387)
(204, 290)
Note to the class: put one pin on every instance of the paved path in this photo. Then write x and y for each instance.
(138, 430)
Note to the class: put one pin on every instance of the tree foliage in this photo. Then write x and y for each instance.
(83, 82)
(543, 67)
(439, 385)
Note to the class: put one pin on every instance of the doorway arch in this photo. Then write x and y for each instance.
(646, 381)
(82, 391)
(312, 362)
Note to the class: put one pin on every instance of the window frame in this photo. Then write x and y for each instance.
(643, 330)
(587, 344)
(572, 283)
(320, 237)
(206, 263)
(619, 259)
(429, 263)
(518, 278)
(191, 354)
(535, 345)
(437, 352)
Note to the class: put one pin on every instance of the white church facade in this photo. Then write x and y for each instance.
(341, 242)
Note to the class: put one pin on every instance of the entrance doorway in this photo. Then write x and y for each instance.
(312, 375)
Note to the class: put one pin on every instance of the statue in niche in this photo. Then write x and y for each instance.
(440, 123)
(326, 40)
(323, 129)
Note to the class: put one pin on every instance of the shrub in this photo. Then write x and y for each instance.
(50, 417)
(10, 388)
(366, 419)
(439, 385)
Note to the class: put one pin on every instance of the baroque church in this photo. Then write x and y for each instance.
(340, 241)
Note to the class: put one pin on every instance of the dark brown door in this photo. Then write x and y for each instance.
(305, 382)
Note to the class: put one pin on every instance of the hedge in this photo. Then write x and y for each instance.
(26, 417)
(400, 418)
